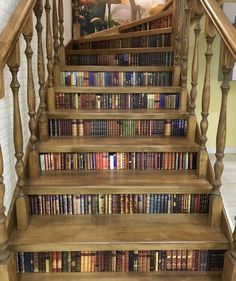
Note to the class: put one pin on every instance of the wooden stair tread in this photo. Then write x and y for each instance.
(114, 89)
(139, 114)
(118, 51)
(135, 182)
(131, 276)
(118, 144)
(141, 33)
(118, 232)
(99, 68)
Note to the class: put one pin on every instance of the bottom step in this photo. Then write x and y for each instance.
(170, 276)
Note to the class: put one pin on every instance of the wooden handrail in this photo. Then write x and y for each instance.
(222, 24)
(11, 33)
(13, 29)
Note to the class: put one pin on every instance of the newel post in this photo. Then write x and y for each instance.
(33, 155)
(22, 205)
(229, 270)
(43, 122)
(227, 63)
(7, 260)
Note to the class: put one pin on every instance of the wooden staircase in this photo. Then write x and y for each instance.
(105, 179)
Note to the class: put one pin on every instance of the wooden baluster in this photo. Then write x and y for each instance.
(76, 20)
(185, 43)
(210, 36)
(177, 23)
(43, 122)
(7, 260)
(227, 63)
(229, 270)
(33, 155)
(22, 208)
(49, 47)
(61, 32)
(55, 33)
(197, 8)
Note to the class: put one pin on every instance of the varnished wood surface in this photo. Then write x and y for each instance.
(119, 51)
(125, 35)
(120, 90)
(95, 68)
(118, 232)
(126, 114)
(118, 182)
(12, 31)
(118, 144)
(132, 276)
(222, 23)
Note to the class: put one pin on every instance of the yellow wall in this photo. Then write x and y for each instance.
(215, 93)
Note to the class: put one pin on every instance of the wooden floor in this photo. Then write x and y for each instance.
(170, 276)
(118, 232)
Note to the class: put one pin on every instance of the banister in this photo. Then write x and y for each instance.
(222, 24)
(13, 29)
(11, 33)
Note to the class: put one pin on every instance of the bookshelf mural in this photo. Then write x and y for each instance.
(97, 15)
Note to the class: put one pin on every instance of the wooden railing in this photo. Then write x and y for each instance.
(21, 22)
(216, 21)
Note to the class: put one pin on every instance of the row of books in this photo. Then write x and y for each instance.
(126, 128)
(118, 161)
(109, 78)
(137, 59)
(120, 261)
(93, 204)
(158, 23)
(148, 41)
(117, 101)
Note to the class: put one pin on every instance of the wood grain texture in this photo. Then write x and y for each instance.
(31, 100)
(195, 65)
(206, 95)
(170, 276)
(118, 232)
(118, 182)
(43, 124)
(222, 23)
(120, 90)
(115, 68)
(117, 144)
(119, 51)
(55, 28)
(132, 114)
(22, 212)
(11, 33)
(125, 35)
(227, 64)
